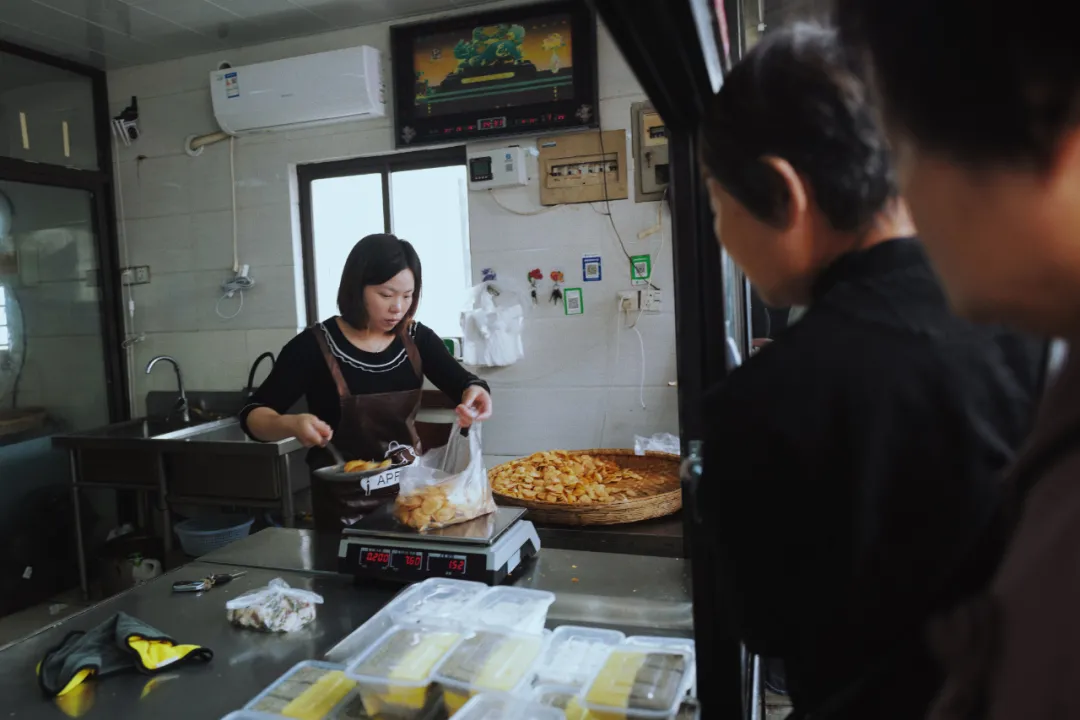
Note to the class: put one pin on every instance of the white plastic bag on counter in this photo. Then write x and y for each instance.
(661, 442)
(492, 331)
(274, 608)
(446, 486)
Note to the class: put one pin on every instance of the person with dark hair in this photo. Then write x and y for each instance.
(983, 101)
(362, 374)
(852, 458)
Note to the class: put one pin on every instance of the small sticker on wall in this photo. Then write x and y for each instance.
(232, 85)
(592, 269)
(640, 269)
(573, 303)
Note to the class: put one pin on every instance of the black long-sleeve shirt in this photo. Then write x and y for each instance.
(848, 467)
(301, 372)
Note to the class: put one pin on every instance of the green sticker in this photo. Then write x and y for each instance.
(640, 269)
(573, 302)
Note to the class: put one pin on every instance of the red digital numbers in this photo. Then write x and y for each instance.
(456, 566)
(414, 560)
(379, 558)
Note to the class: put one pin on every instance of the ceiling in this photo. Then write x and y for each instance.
(111, 34)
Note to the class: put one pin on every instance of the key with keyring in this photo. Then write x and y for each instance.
(206, 583)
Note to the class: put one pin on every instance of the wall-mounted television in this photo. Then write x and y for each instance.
(524, 69)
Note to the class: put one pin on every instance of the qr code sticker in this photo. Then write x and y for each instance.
(574, 303)
(641, 269)
(592, 269)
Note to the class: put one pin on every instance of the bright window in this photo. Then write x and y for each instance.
(420, 197)
(5, 328)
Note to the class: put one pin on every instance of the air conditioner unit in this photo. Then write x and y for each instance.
(320, 89)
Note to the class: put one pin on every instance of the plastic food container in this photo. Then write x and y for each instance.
(488, 661)
(309, 691)
(563, 698)
(639, 682)
(435, 600)
(671, 643)
(394, 675)
(511, 608)
(502, 707)
(575, 655)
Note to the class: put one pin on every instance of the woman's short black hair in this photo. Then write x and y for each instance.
(983, 82)
(373, 261)
(797, 96)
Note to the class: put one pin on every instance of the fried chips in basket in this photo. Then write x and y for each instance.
(566, 478)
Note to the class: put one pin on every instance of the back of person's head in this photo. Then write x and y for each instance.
(793, 151)
(982, 98)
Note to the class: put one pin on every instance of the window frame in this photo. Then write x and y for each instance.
(384, 165)
(6, 324)
(99, 184)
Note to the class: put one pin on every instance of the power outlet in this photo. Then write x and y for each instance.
(646, 300)
(139, 275)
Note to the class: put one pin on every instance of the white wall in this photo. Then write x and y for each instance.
(568, 392)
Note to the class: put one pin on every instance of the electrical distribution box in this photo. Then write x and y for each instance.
(651, 165)
(498, 169)
(583, 167)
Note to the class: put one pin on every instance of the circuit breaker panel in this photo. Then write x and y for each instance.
(651, 165)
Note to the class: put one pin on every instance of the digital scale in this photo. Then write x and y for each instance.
(488, 549)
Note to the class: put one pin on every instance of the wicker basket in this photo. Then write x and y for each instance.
(661, 472)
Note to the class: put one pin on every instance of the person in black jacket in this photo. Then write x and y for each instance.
(852, 466)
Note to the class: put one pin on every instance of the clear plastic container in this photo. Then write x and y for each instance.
(394, 675)
(503, 707)
(488, 661)
(435, 600)
(565, 699)
(639, 682)
(671, 643)
(575, 654)
(309, 691)
(685, 645)
(511, 608)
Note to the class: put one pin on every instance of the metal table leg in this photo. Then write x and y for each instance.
(757, 696)
(288, 507)
(80, 548)
(166, 516)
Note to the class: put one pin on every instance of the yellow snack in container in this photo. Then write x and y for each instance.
(394, 675)
(308, 691)
(488, 661)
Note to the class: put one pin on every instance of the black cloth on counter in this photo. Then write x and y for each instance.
(852, 480)
(301, 371)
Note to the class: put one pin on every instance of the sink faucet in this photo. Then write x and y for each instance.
(254, 369)
(182, 403)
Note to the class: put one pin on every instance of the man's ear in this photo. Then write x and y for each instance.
(798, 200)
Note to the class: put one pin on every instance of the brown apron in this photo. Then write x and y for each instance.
(368, 426)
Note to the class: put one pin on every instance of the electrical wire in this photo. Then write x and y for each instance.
(607, 203)
(232, 185)
(237, 286)
(523, 213)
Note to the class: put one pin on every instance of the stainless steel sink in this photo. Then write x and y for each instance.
(222, 437)
(124, 435)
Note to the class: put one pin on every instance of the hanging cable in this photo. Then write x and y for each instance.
(523, 213)
(232, 186)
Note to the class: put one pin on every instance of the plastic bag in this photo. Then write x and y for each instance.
(661, 442)
(274, 608)
(492, 332)
(446, 486)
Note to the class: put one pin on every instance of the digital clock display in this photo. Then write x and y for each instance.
(492, 123)
(442, 564)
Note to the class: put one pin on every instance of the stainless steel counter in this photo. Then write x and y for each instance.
(244, 661)
(642, 595)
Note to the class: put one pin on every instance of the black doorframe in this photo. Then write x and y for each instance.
(659, 40)
(375, 164)
(99, 183)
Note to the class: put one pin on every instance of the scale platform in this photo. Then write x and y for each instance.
(488, 549)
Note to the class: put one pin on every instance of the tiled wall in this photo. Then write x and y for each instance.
(568, 392)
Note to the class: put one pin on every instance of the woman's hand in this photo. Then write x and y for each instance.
(309, 430)
(475, 406)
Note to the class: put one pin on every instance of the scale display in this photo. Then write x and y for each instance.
(429, 563)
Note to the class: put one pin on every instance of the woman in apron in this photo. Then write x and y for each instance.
(362, 374)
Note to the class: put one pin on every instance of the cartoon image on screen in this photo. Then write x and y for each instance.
(496, 66)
